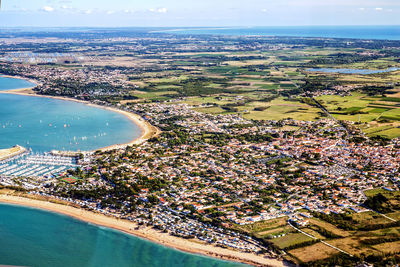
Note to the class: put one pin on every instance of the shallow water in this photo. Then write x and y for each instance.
(33, 237)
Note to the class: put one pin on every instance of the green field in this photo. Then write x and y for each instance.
(290, 240)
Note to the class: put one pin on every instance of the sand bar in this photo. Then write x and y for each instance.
(146, 233)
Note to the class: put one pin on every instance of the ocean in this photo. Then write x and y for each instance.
(44, 124)
(33, 237)
(37, 238)
(353, 32)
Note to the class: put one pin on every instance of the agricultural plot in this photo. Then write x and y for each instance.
(380, 117)
(264, 225)
(312, 253)
(290, 240)
(261, 85)
(389, 248)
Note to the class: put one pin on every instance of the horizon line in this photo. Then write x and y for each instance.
(209, 27)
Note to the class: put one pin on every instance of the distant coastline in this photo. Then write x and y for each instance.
(385, 32)
(147, 130)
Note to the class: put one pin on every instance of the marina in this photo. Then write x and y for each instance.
(46, 124)
(36, 165)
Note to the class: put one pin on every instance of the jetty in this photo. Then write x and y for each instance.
(70, 154)
(9, 153)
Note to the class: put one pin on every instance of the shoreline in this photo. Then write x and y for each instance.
(125, 226)
(147, 130)
(36, 83)
(146, 233)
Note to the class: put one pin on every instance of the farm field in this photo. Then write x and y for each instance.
(270, 86)
(368, 233)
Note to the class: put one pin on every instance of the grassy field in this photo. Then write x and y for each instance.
(314, 233)
(329, 227)
(392, 247)
(378, 114)
(352, 245)
(380, 240)
(315, 252)
(290, 240)
(275, 232)
(373, 192)
(364, 219)
(394, 215)
(264, 225)
(247, 81)
(382, 232)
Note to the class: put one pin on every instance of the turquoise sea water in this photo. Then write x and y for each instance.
(33, 237)
(7, 83)
(356, 32)
(45, 124)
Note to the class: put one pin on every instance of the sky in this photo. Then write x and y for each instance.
(191, 13)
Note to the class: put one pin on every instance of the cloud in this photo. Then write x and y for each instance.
(264, 10)
(378, 9)
(47, 9)
(159, 10)
(110, 12)
(362, 8)
(89, 11)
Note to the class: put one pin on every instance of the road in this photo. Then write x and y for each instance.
(316, 102)
(383, 215)
(323, 242)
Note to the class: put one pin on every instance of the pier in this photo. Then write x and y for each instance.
(36, 165)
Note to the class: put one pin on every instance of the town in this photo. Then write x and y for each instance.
(255, 152)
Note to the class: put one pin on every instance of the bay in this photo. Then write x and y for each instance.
(7, 83)
(45, 124)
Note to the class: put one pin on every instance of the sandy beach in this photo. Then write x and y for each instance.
(126, 226)
(146, 233)
(147, 130)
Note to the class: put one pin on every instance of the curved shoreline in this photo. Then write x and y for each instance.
(147, 130)
(147, 233)
(126, 226)
(36, 83)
